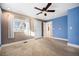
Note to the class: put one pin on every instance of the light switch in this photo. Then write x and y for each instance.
(70, 27)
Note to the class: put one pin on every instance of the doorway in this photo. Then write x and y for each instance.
(48, 29)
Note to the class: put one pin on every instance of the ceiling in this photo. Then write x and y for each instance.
(28, 9)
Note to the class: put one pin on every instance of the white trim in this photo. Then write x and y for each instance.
(60, 38)
(19, 42)
(73, 45)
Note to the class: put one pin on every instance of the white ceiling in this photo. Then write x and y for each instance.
(28, 9)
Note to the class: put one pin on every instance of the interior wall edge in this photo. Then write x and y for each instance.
(0, 24)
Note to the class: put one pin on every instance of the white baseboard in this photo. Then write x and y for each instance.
(60, 38)
(4, 45)
(73, 45)
(19, 42)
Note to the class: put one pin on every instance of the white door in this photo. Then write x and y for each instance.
(48, 29)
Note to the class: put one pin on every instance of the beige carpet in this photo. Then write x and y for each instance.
(39, 47)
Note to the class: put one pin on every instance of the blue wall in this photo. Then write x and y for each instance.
(73, 26)
(67, 26)
(60, 27)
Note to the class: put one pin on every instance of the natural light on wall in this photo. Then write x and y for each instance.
(32, 33)
(26, 32)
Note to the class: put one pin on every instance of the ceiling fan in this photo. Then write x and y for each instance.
(45, 9)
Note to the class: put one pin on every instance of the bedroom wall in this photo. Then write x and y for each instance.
(66, 27)
(60, 27)
(73, 26)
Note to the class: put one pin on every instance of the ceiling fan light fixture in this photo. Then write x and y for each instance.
(45, 9)
(45, 14)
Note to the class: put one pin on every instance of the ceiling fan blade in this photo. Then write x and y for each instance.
(38, 8)
(38, 13)
(48, 5)
(50, 10)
